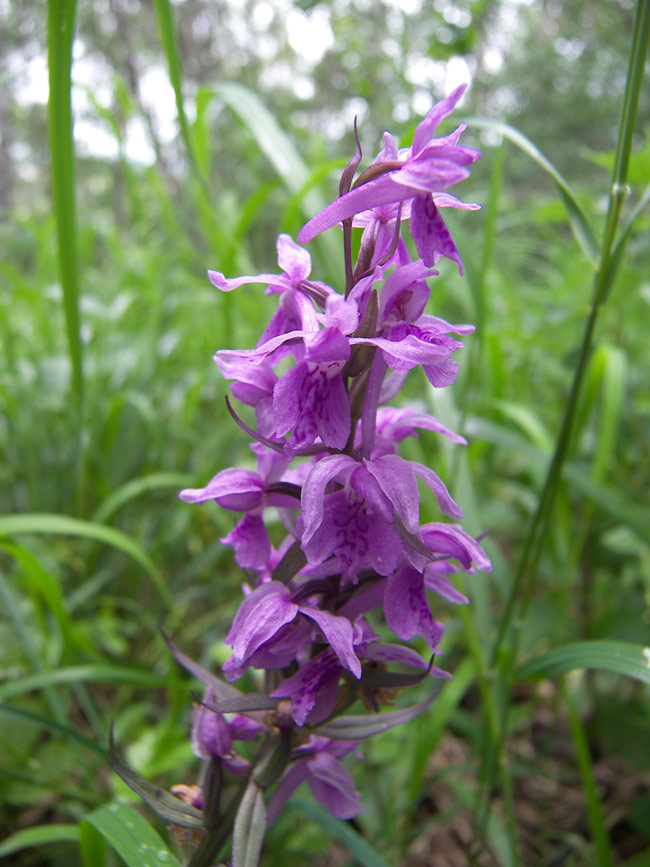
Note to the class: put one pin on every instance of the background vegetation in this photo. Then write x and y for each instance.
(201, 131)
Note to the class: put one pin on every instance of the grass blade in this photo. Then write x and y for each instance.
(44, 523)
(135, 488)
(594, 808)
(363, 852)
(41, 835)
(131, 836)
(80, 673)
(166, 28)
(577, 218)
(622, 657)
(50, 725)
(60, 37)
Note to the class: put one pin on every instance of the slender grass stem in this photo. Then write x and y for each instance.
(510, 627)
(60, 38)
(522, 584)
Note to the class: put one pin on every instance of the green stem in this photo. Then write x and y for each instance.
(60, 39)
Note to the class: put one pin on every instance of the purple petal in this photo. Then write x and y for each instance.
(365, 483)
(407, 353)
(407, 609)
(311, 402)
(445, 200)
(211, 736)
(339, 634)
(455, 542)
(236, 489)
(411, 276)
(260, 616)
(225, 285)
(259, 354)
(293, 260)
(442, 372)
(251, 542)
(333, 787)
(381, 191)
(313, 491)
(431, 235)
(431, 122)
(341, 314)
(396, 653)
(441, 585)
(285, 788)
(396, 424)
(397, 480)
(312, 689)
(442, 495)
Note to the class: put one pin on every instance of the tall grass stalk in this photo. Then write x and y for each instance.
(508, 639)
(60, 38)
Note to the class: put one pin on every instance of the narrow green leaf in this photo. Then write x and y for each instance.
(428, 732)
(594, 809)
(62, 525)
(131, 836)
(363, 852)
(45, 585)
(135, 488)
(280, 151)
(51, 725)
(618, 250)
(163, 803)
(614, 379)
(622, 657)
(250, 827)
(167, 30)
(530, 424)
(577, 219)
(60, 36)
(80, 673)
(501, 843)
(356, 727)
(41, 835)
(92, 845)
(222, 690)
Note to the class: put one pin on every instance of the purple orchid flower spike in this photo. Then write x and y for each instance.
(328, 463)
(418, 177)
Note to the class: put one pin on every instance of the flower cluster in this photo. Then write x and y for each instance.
(326, 451)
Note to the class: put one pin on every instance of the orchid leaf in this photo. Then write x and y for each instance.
(239, 705)
(357, 727)
(222, 690)
(163, 803)
(250, 827)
